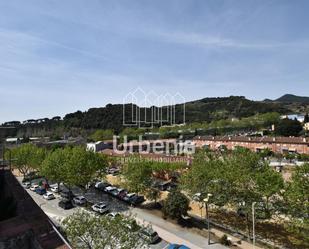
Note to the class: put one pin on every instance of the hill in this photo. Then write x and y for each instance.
(290, 98)
(111, 116)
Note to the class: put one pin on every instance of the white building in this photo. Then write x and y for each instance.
(298, 117)
(99, 146)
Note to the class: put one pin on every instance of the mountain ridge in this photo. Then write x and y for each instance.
(291, 98)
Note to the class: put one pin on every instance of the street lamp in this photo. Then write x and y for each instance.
(206, 201)
(198, 198)
(253, 223)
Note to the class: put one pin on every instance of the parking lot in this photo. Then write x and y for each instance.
(51, 208)
(169, 232)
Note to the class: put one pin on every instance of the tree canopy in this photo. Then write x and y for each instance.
(288, 127)
(176, 205)
(87, 231)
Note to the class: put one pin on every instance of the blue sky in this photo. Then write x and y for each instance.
(57, 56)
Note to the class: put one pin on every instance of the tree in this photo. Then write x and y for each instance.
(205, 176)
(176, 205)
(74, 166)
(53, 167)
(137, 175)
(288, 127)
(101, 135)
(27, 157)
(85, 230)
(37, 158)
(297, 192)
(83, 166)
(296, 199)
(269, 184)
(153, 194)
(306, 118)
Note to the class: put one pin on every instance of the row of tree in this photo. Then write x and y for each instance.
(240, 178)
(235, 180)
(70, 165)
(74, 166)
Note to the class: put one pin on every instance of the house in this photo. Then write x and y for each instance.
(298, 117)
(298, 145)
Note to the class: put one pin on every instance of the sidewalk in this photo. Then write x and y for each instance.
(243, 245)
(174, 233)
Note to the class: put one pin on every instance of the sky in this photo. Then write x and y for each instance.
(58, 57)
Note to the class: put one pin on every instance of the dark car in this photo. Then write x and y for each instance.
(161, 185)
(40, 191)
(67, 195)
(136, 200)
(101, 185)
(122, 194)
(128, 197)
(149, 235)
(117, 192)
(65, 204)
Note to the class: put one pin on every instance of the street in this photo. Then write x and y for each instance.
(169, 232)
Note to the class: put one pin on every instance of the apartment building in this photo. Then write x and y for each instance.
(298, 145)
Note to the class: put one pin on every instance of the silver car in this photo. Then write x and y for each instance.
(100, 207)
(48, 196)
(79, 200)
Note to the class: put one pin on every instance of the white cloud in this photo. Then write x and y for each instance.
(210, 41)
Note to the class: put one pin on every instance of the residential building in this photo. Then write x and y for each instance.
(298, 117)
(298, 145)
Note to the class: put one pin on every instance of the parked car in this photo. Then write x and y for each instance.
(149, 235)
(54, 188)
(65, 204)
(40, 191)
(31, 176)
(122, 194)
(101, 185)
(48, 196)
(27, 185)
(128, 197)
(136, 200)
(100, 207)
(34, 187)
(67, 195)
(176, 246)
(117, 191)
(79, 200)
(160, 185)
(109, 189)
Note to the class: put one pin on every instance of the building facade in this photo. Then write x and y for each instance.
(298, 145)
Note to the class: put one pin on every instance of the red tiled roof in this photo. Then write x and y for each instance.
(285, 140)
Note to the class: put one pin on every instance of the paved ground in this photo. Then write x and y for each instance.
(170, 233)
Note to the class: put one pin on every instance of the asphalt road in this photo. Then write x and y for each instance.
(170, 233)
